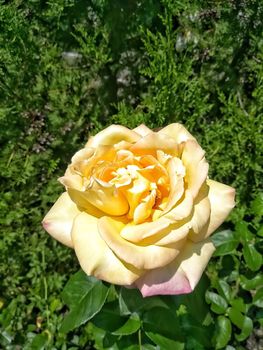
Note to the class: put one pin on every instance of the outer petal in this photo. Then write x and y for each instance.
(112, 135)
(142, 257)
(201, 215)
(152, 142)
(59, 220)
(178, 132)
(222, 201)
(94, 255)
(83, 154)
(182, 275)
(142, 130)
(196, 166)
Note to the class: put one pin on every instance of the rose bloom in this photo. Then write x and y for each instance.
(138, 208)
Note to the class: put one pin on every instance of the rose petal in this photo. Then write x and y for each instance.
(176, 173)
(138, 233)
(112, 135)
(152, 142)
(177, 232)
(196, 166)
(182, 210)
(222, 201)
(142, 130)
(181, 275)
(84, 153)
(80, 199)
(201, 215)
(142, 257)
(178, 132)
(59, 220)
(94, 255)
(71, 181)
(105, 197)
(144, 209)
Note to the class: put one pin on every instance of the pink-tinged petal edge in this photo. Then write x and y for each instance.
(155, 283)
(180, 276)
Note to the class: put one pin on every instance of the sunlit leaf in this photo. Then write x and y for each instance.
(225, 242)
(223, 332)
(218, 303)
(252, 257)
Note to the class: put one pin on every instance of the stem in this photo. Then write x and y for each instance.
(140, 339)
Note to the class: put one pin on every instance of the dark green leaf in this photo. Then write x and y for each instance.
(194, 302)
(225, 242)
(244, 323)
(162, 321)
(109, 317)
(88, 306)
(223, 332)
(258, 298)
(109, 341)
(218, 303)
(131, 301)
(165, 343)
(252, 257)
(201, 333)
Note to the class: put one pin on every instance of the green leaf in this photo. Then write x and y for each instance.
(224, 290)
(131, 326)
(201, 333)
(258, 298)
(218, 303)
(260, 231)
(239, 304)
(109, 342)
(244, 323)
(109, 317)
(131, 300)
(223, 332)
(39, 342)
(162, 321)
(225, 242)
(149, 347)
(257, 205)
(252, 283)
(243, 232)
(252, 257)
(77, 287)
(165, 343)
(88, 304)
(194, 302)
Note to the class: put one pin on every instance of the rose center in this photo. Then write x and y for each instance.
(145, 188)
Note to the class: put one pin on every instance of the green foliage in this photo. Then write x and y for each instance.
(68, 69)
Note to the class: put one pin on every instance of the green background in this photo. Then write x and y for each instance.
(68, 69)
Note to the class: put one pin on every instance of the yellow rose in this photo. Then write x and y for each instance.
(139, 208)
